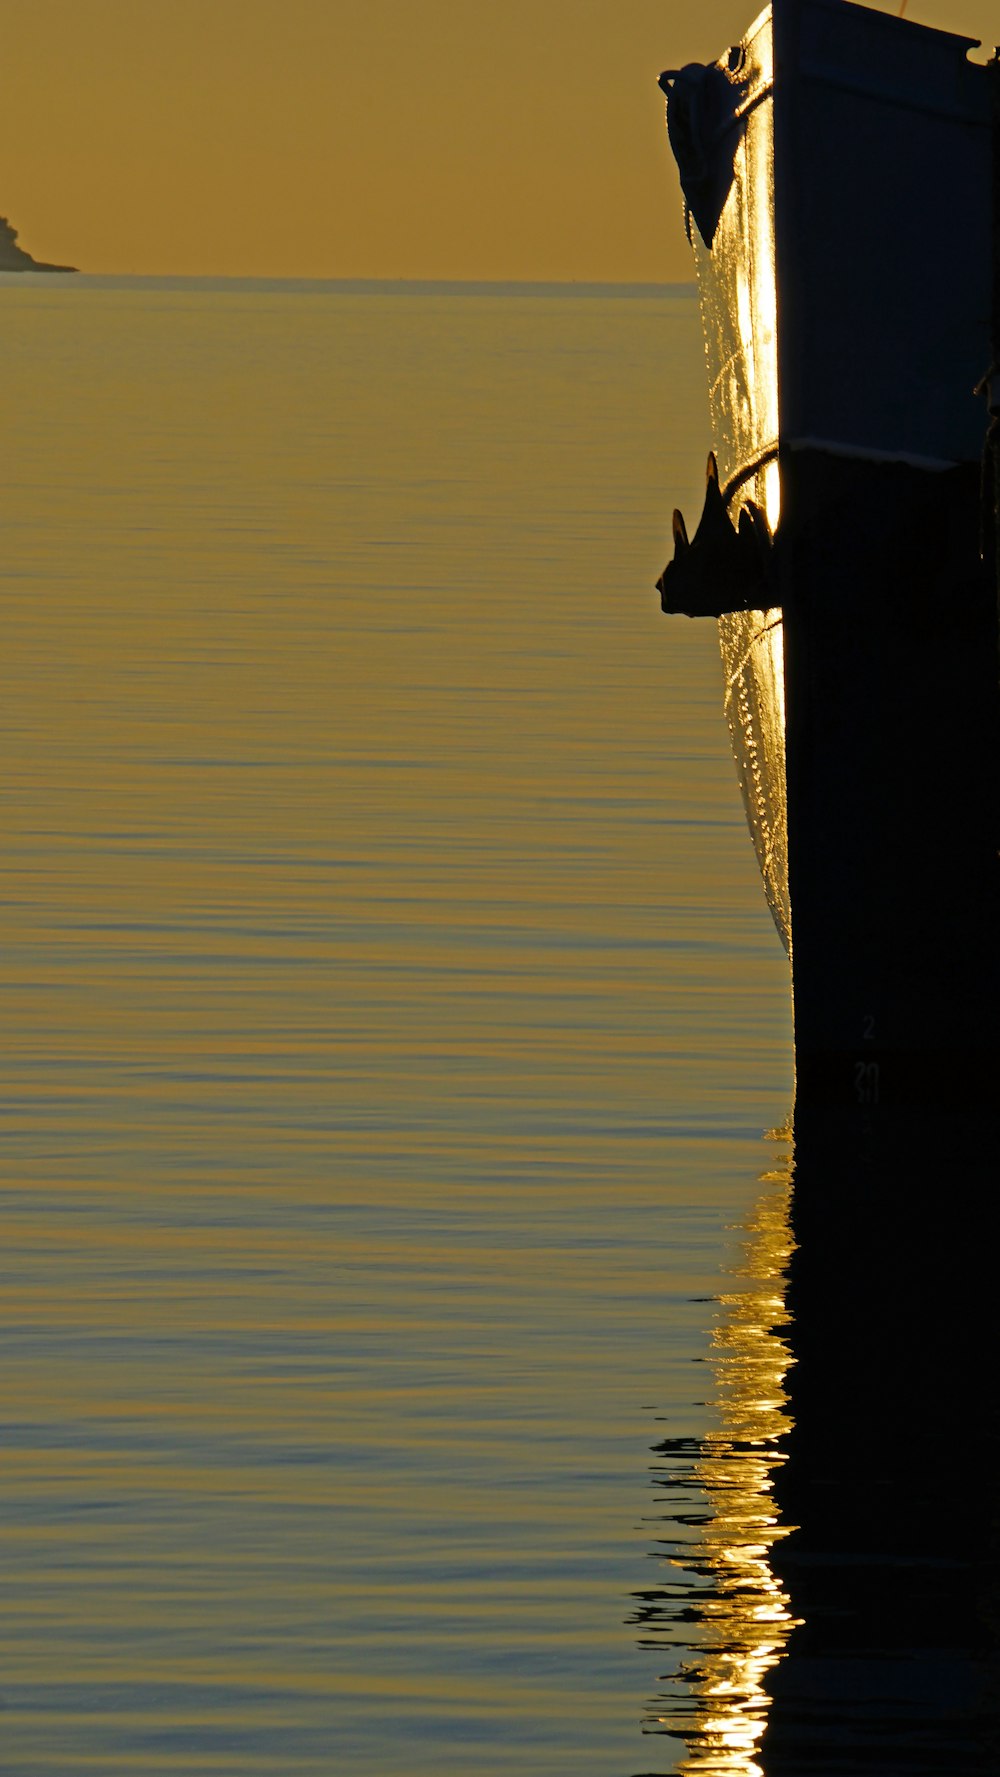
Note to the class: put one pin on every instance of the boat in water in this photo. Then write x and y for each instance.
(837, 176)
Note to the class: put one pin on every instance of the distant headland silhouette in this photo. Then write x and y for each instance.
(14, 258)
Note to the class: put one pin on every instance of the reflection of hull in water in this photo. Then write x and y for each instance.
(889, 1489)
(832, 1599)
(836, 167)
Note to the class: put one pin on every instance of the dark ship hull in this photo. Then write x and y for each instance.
(842, 207)
(836, 168)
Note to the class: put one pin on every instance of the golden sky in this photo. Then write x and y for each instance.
(380, 138)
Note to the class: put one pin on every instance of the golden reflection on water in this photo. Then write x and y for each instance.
(732, 1612)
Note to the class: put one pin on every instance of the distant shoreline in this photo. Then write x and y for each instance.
(17, 259)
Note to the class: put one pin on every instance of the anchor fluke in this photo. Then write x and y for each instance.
(723, 567)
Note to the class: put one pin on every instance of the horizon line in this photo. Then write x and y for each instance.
(443, 285)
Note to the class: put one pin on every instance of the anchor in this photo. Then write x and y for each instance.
(723, 567)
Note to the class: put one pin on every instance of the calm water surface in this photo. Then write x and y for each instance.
(391, 1019)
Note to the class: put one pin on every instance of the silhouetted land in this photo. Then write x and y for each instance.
(14, 258)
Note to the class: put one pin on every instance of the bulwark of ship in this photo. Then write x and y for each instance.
(837, 171)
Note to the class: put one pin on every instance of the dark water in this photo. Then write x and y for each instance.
(391, 1020)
